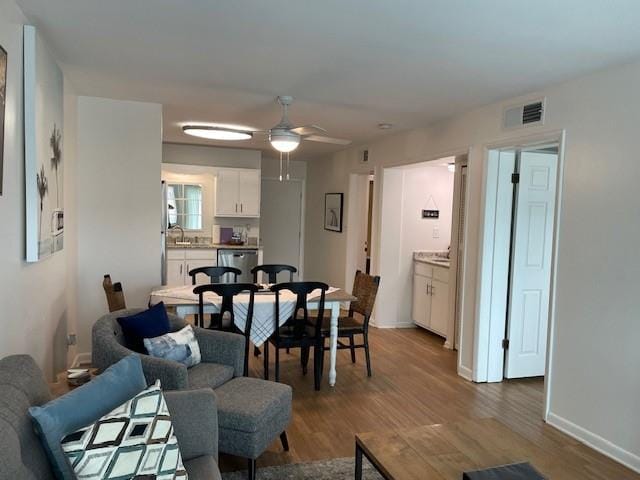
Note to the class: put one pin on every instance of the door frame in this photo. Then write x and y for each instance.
(490, 325)
(356, 229)
(303, 208)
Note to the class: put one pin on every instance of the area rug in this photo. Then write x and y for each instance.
(336, 469)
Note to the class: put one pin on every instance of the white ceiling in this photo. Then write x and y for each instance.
(350, 64)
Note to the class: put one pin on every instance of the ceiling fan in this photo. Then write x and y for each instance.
(284, 137)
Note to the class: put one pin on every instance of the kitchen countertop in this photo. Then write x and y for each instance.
(213, 246)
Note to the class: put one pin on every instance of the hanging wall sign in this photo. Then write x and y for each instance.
(430, 213)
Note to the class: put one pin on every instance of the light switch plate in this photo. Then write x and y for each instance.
(436, 232)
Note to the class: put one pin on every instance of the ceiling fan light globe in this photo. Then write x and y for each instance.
(284, 140)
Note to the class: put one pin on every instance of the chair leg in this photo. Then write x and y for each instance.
(366, 352)
(266, 360)
(318, 351)
(277, 364)
(353, 349)
(251, 472)
(285, 441)
(304, 359)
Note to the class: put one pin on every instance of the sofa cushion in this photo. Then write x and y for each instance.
(202, 468)
(149, 323)
(84, 405)
(180, 346)
(251, 404)
(134, 440)
(209, 375)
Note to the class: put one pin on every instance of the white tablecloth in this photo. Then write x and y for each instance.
(264, 312)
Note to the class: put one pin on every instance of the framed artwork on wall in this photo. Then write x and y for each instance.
(3, 96)
(43, 162)
(333, 211)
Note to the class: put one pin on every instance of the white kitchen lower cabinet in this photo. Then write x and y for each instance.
(175, 273)
(181, 261)
(430, 307)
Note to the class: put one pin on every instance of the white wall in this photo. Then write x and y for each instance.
(35, 309)
(119, 153)
(594, 384)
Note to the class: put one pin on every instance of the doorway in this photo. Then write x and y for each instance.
(518, 255)
(359, 225)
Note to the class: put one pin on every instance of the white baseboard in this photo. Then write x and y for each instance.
(397, 325)
(595, 441)
(465, 373)
(81, 359)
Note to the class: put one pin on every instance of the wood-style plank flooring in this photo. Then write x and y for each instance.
(414, 383)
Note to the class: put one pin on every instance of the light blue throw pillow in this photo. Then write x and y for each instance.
(181, 346)
(83, 406)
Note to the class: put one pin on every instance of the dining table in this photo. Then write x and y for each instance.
(185, 302)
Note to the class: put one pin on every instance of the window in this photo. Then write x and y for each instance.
(185, 205)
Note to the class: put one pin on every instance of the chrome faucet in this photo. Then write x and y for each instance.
(176, 226)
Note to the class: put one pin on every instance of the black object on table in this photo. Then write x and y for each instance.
(515, 471)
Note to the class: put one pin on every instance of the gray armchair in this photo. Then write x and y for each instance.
(22, 385)
(222, 355)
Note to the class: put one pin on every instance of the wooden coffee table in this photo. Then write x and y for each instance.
(445, 451)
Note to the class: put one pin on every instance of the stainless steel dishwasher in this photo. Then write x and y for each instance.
(244, 259)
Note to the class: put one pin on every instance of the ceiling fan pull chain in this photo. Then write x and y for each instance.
(280, 166)
(288, 166)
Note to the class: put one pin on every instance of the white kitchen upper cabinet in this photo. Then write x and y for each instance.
(227, 193)
(439, 307)
(238, 193)
(175, 273)
(249, 193)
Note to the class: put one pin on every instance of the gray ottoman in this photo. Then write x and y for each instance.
(251, 414)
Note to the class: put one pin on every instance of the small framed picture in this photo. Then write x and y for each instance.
(333, 211)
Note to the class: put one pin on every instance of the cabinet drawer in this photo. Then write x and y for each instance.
(423, 269)
(210, 254)
(175, 254)
(441, 273)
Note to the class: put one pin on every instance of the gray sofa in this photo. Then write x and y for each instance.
(22, 385)
(251, 412)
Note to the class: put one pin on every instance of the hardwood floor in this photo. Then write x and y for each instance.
(414, 383)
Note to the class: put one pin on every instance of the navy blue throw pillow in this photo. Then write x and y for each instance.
(151, 323)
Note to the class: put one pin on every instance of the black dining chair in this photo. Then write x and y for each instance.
(365, 289)
(228, 291)
(215, 273)
(272, 271)
(301, 330)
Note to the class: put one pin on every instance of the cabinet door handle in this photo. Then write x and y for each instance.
(180, 269)
(433, 290)
(236, 208)
(428, 291)
(240, 208)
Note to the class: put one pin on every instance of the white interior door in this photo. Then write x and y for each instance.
(280, 228)
(528, 317)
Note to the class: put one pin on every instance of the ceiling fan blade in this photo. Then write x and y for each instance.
(308, 130)
(323, 139)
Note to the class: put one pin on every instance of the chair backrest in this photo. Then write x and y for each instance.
(272, 271)
(365, 289)
(300, 320)
(115, 294)
(215, 273)
(227, 291)
(22, 385)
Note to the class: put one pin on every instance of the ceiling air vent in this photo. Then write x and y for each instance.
(525, 115)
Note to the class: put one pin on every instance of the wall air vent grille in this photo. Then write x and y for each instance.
(524, 115)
